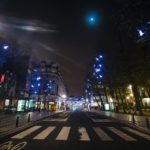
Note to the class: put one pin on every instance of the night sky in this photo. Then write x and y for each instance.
(67, 38)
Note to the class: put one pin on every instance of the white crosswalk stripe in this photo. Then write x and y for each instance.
(44, 133)
(121, 134)
(103, 136)
(26, 132)
(102, 120)
(143, 135)
(83, 134)
(58, 119)
(64, 133)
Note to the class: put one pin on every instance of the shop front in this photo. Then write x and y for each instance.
(26, 105)
(52, 106)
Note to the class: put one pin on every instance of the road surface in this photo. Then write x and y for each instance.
(77, 131)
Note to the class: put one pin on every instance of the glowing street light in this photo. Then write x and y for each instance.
(63, 96)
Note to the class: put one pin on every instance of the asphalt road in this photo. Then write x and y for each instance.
(77, 131)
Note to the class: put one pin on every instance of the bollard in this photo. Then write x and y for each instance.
(29, 118)
(17, 121)
(133, 119)
(147, 123)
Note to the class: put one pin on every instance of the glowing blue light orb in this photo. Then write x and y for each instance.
(32, 86)
(97, 70)
(100, 56)
(38, 78)
(148, 22)
(100, 76)
(5, 47)
(141, 33)
(93, 18)
(97, 59)
(35, 70)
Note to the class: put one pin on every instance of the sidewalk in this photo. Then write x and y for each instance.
(140, 121)
(8, 121)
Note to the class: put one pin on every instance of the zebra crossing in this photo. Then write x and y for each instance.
(101, 120)
(56, 119)
(63, 134)
(62, 118)
(125, 133)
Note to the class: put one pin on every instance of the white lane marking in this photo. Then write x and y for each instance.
(44, 133)
(121, 134)
(26, 132)
(64, 133)
(103, 136)
(102, 120)
(83, 134)
(143, 135)
(58, 119)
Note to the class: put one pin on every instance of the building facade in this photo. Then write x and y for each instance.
(45, 88)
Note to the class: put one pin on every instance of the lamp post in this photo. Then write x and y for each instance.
(63, 96)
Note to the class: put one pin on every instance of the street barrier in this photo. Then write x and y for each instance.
(133, 119)
(147, 123)
(17, 121)
(10, 122)
(29, 118)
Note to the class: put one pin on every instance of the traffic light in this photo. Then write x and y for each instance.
(2, 79)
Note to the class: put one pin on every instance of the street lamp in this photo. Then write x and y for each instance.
(63, 96)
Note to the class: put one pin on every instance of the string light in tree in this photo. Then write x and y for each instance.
(97, 67)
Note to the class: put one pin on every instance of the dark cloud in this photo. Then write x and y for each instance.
(73, 43)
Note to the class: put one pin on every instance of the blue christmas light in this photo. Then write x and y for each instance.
(35, 70)
(100, 76)
(38, 78)
(100, 56)
(5, 47)
(97, 70)
(141, 33)
(97, 59)
(148, 22)
(32, 86)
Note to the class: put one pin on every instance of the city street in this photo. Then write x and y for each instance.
(75, 75)
(77, 130)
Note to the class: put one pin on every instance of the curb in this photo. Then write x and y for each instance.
(145, 130)
(8, 133)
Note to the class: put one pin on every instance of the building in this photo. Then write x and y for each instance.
(13, 82)
(45, 88)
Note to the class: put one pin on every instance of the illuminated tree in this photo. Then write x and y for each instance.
(98, 68)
